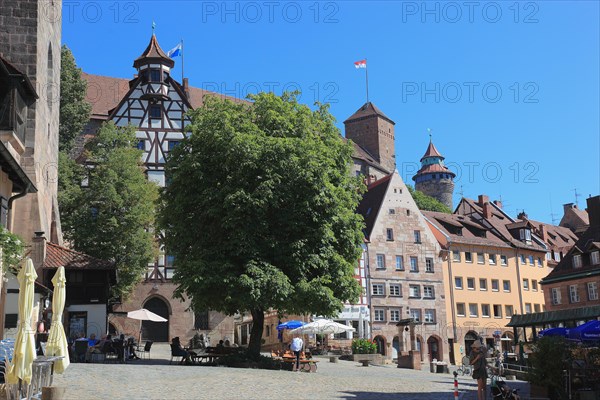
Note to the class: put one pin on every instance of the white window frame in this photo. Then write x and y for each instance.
(574, 294)
(497, 282)
(534, 285)
(414, 267)
(389, 234)
(470, 287)
(595, 257)
(509, 311)
(426, 289)
(395, 290)
(492, 258)
(484, 286)
(480, 258)
(504, 286)
(414, 291)
(527, 308)
(525, 284)
(379, 315)
(473, 306)
(592, 289)
(380, 261)
(429, 316)
(399, 263)
(429, 265)
(503, 260)
(415, 313)
(556, 296)
(417, 236)
(455, 256)
(485, 314)
(576, 260)
(376, 288)
(461, 282)
(499, 308)
(394, 315)
(464, 310)
(468, 257)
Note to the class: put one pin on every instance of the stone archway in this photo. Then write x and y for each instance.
(156, 331)
(435, 348)
(380, 342)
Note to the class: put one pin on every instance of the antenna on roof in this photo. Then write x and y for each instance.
(462, 192)
(552, 215)
(577, 195)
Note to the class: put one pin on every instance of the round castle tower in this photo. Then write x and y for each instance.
(434, 178)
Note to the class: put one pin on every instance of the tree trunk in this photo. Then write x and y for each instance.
(258, 321)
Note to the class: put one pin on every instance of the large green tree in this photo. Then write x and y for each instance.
(260, 211)
(74, 109)
(427, 203)
(113, 215)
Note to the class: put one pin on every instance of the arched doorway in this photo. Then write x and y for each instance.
(156, 331)
(395, 347)
(380, 342)
(434, 348)
(470, 338)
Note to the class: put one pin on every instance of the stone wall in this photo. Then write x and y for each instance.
(30, 38)
(440, 189)
(376, 136)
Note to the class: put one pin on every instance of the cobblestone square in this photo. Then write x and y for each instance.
(156, 379)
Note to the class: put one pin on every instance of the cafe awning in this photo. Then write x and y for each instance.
(549, 317)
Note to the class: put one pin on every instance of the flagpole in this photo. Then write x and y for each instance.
(367, 77)
(182, 61)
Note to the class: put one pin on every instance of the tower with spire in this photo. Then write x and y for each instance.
(373, 131)
(434, 178)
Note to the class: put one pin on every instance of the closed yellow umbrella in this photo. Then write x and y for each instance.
(57, 340)
(24, 354)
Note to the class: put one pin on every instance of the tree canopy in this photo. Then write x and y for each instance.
(427, 203)
(260, 208)
(74, 109)
(113, 216)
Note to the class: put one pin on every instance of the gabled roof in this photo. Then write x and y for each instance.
(498, 223)
(366, 111)
(431, 152)
(371, 203)
(557, 237)
(104, 94)
(153, 53)
(57, 256)
(441, 220)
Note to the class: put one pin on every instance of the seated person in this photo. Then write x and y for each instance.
(220, 347)
(130, 346)
(178, 351)
(92, 341)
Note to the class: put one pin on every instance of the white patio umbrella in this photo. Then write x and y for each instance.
(322, 327)
(144, 315)
(24, 354)
(57, 340)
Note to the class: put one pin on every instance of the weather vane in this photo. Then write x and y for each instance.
(429, 131)
(153, 27)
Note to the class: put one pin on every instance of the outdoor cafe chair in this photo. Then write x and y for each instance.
(81, 348)
(145, 350)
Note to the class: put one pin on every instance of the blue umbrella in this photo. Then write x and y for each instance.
(588, 331)
(293, 324)
(564, 332)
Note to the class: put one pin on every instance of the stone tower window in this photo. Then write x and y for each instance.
(50, 78)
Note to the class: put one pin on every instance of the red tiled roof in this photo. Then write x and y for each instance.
(57, 256)
(558, 237)
(498, 221)
(153, 52)
(104, 93)
(431, 152)
(440, 220)
(565, 271)
(371, 203)
(368, 110)
(433, 168)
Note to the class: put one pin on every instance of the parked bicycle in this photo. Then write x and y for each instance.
(465, 368)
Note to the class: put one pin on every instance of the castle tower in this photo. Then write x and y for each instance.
(154, 69)
(434, 178)
(373, 131)
(30, 39)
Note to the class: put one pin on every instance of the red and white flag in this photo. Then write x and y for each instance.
(360, 64)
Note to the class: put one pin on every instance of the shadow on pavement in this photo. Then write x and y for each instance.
(396, 396)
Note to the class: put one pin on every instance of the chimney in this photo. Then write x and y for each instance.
(522, 215)
(483, 199)
(498, 203)
(186, 88)
(568, 206)
(593, 209)
(38, 250)
(543, 232)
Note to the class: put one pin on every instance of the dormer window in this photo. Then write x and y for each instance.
(525, 234)
(577, 261)
(595, 257)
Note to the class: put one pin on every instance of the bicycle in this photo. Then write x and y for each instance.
(465, 368)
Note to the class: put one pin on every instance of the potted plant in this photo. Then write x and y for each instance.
(550, 357)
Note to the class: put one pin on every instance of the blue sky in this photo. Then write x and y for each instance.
(510, 90)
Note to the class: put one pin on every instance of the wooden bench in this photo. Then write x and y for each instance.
(305, 365)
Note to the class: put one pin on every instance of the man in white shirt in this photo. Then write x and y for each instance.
(296, 347)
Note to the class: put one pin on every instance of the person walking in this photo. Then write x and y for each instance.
(477, 359)
(296, 347)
